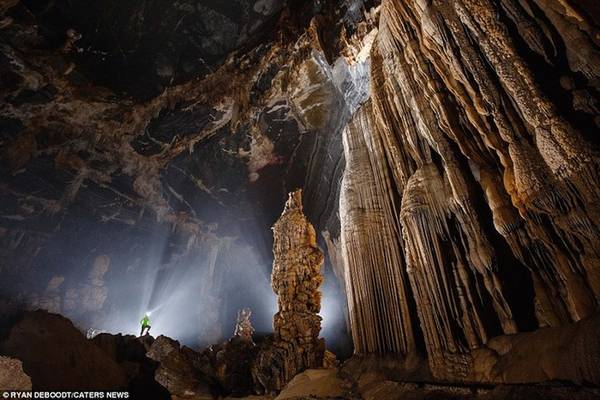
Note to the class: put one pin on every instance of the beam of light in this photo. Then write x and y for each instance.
(195, 298)
(333, 313)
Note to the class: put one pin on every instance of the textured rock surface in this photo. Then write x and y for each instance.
(180, 369)
(232, 362)
(130, 353)
(457, 139)
(193, 375)
(372, 259)
(58, 357)
(565, 353)
(243, 326)
(12, 376)
(135, 137)
(319, 383)
(471, 178)
(296, 278)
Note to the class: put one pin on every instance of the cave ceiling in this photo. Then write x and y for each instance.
(111, 108)
(155, 132)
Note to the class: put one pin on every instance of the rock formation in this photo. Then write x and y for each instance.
(12, 376)
(243, 326)
(163, 369)
(130, 353)
(232, 362)
(296, 278)
(58, 357)
(447, 151)
(179, 369)
(478, 173)
(372, 260)
(565, 353)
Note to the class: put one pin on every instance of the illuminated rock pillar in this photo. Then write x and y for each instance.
(296, 279)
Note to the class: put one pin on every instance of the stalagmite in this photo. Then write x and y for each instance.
(296, 279)
(243, 326)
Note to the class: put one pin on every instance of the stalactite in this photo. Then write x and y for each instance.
(464, 128)
(443, 279)
(375, 278)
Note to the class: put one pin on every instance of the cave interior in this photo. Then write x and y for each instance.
(349, 199)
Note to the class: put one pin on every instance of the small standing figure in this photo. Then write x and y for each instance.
(145, 325)
(243, 327)
(71, 37)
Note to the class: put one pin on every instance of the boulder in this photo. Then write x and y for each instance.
(317, 383)
(130, 353)
(568, 353)
(57, 356)
(232, 362)
(368, 368)
(184, 372)
(12, 376)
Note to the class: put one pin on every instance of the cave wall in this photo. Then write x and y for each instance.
(476, 160)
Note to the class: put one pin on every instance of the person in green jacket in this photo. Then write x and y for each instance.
(145, 325)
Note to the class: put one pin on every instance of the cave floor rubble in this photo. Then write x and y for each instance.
(331, 384)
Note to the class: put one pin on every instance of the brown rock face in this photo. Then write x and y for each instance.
(470, 199)
(58, 357)
(180, 369)
(12, 376)
(466, 132)
(569, 353)
(296, 280)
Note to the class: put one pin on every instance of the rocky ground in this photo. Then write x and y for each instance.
(46, 351)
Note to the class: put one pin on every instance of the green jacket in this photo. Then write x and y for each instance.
(145, 321)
